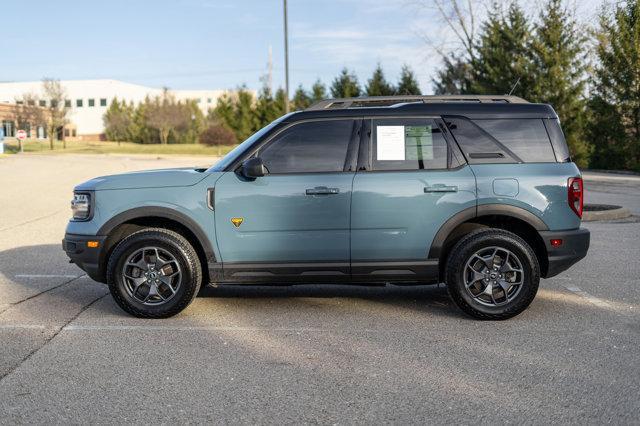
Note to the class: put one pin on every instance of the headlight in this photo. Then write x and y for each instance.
(81, 206)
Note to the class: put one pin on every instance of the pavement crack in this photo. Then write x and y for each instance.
(11, 305)
(53, 336)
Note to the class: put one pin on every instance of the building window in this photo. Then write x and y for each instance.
(53, 103)
(208, 100)
(8, 128)
(19, 102)
(66, 133)
(91, 102)
(31, 102)
(79, 103)
(67, 103)
(42, 103)
(73, 133)
(103, 102)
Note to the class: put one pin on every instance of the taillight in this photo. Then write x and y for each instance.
(576, 195)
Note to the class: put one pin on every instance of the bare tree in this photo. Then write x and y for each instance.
(26, 112)
(57, 109)
(166, 115)
(460, 17)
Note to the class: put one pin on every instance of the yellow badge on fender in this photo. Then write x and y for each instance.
(237, 221)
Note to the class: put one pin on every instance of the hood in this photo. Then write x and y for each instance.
(162, 178)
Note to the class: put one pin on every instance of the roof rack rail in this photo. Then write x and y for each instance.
(383, 101)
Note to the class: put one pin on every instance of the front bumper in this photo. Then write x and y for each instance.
(89, 259)
(575, 245)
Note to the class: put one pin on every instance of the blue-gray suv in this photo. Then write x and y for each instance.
(478, 192)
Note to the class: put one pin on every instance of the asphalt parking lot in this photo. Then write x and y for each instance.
(305, 354)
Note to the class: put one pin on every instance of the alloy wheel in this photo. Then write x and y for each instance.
(151, 275)
(493, 276)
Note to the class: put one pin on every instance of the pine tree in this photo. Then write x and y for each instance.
(454, 78)
(118, 120)
(378, 85)
(559, 63)
(318, 91)
(301, 99)
(408, 85)
(614, 108)
(244, 120)
(345, 85)
(265, 108)
(236, 112)
(503, 54)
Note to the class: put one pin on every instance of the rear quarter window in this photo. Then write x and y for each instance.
(557, 140)
(527, 138)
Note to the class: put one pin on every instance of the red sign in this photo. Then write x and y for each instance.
(21, 134)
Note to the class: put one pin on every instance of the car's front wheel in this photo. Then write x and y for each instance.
(154, 273)
(492, 274)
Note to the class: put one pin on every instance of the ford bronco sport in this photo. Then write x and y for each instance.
(478, 192)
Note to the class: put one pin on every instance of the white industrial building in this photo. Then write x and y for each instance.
(88, 100)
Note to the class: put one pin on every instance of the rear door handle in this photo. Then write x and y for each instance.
(322, 190)
(440, 188)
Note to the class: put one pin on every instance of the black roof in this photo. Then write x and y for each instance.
(436, 107)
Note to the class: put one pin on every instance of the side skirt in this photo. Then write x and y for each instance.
(374, 272)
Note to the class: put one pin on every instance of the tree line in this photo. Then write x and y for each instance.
(591, 76)
(238, 114)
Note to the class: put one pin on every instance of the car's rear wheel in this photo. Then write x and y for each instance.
(154, 273)
(492, 274)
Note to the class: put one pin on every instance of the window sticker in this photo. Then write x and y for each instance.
(390, 141)
(418, 143)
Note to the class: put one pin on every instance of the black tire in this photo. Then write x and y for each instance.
(479, 306)
(170, 242)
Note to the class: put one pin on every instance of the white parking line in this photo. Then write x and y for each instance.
(592, 299)
(21, 327)
(45, 276)
(185, 328)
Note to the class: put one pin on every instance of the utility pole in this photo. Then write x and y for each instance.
(286, 60)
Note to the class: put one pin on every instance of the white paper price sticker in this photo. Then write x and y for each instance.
(390, 143)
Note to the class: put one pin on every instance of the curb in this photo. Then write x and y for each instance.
(613, 213)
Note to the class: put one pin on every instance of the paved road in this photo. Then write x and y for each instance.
(305, 354)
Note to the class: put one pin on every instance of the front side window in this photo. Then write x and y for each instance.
(408, 144)
(311, 147)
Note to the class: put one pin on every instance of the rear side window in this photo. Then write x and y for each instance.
(310, 147)
(408, 144)
(476, 144)
(527, 138)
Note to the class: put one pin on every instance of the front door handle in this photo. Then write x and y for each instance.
(438, 187)
(322, 190)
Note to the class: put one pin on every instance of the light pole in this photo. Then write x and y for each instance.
(286, 60)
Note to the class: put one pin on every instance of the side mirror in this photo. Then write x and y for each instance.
(253, 168)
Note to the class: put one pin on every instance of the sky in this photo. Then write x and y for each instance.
(221, 44)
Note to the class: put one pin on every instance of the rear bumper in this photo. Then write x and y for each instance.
(575, 245)
(88, 259)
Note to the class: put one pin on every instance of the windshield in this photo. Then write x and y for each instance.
(238, 150)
